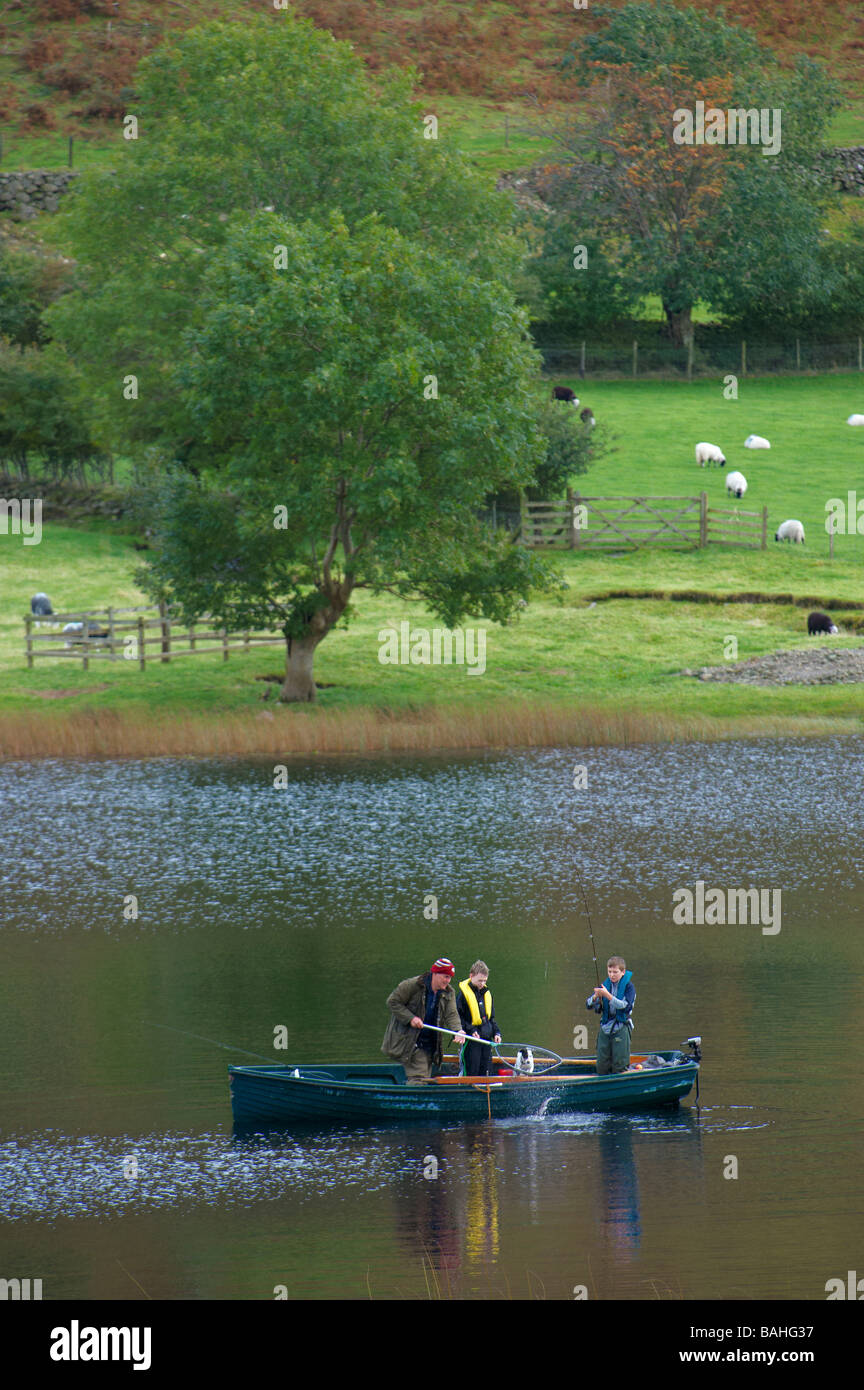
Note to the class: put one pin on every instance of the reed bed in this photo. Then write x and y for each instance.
(291, 732)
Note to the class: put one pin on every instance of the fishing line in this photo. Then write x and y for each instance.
(226, 1046)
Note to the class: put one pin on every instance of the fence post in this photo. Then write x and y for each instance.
(191, 637)
(111, 633)
(577, 530)
(635, 356)
(582, 361)
(764, 528)
(165, 622)
(28, 624)
(743, 357)
(224, 644)
(85, 648)
(703, 520)
(142, 658)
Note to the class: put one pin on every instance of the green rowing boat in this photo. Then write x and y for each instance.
(340, 1093)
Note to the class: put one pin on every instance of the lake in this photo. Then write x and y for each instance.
(263, 907)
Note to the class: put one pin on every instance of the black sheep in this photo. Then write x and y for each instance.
(819, 622)
(563, 393)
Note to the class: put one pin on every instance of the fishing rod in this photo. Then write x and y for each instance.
(590, 929)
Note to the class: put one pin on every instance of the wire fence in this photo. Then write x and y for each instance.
(717, 356)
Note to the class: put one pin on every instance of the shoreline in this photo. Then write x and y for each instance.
(298, 732)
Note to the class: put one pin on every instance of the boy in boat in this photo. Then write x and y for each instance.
(476, 1010)
(423, 999)
(614, 1001)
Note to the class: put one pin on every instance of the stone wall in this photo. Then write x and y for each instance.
(535, 188)
(25, 192)
(28, 191)
(848, 169)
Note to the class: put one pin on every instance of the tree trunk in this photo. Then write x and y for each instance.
(299, 684)
(680, 325)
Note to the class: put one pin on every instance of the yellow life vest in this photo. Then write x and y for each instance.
(471, 997)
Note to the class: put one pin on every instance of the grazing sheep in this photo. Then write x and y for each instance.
(73, 632)
(790, 531)
(819, 622)
(563, 393)
(587, 415)
(40, 606)
(709, 453)
(855, 420)
(755, 441)
(736, 482)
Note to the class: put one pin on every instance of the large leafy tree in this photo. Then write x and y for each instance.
(687, 222)
(303, 380)
(356, 406)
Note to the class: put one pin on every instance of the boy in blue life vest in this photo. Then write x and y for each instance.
(477, 1016)
(614, 1001)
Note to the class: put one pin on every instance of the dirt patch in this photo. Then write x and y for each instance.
(65, 694)
(818, 666)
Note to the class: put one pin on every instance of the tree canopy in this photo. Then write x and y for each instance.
(230, 117)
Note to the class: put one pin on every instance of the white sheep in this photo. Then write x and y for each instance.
(709, 453)
(790, 531)
(736, 482)
(755, 441)
(855, 420)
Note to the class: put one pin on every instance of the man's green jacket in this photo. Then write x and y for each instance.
(408, 1001)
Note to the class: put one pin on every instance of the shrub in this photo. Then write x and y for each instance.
(42, 52)
(37, 117)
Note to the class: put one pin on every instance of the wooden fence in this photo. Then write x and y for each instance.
(127, 633)
(616, 523)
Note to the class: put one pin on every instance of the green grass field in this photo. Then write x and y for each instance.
(618, 655)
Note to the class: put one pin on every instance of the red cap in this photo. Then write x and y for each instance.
(443, 966)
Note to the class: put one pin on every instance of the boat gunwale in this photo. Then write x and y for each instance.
(282, 1072)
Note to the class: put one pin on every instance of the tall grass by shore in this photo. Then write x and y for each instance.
(286, 734)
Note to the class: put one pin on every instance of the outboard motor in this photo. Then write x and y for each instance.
(695, 1046)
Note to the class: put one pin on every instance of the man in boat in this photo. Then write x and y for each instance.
(477, 1012)
(423, 999)
(614, 1001)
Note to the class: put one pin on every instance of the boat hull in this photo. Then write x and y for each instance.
(333, 1093)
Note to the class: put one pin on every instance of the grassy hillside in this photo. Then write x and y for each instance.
(67, 67)
(564, 671)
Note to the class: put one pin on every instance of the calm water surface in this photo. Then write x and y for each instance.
(302, 907)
